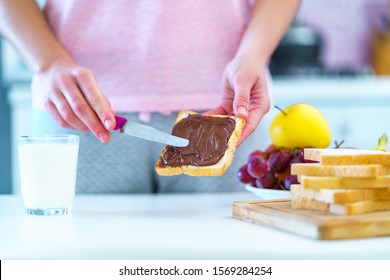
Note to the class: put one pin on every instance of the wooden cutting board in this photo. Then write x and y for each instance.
(279, 214)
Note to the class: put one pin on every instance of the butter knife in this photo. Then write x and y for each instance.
(148, 133)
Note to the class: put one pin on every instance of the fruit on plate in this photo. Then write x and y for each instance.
(300, 125)
(270, 169)
(294, 128)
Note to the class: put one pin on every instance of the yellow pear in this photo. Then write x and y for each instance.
(298, 126)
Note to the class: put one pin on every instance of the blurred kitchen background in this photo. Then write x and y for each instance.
(335, 56)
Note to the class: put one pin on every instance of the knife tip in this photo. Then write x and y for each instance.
(184, 143)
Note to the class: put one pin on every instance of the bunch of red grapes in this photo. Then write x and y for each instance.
(270, 169)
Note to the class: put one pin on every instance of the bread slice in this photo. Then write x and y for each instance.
(309, 204)
(352, 208)
(354, 171)
(317, 182)
(213, 170)
(347, 156)
(340, 196)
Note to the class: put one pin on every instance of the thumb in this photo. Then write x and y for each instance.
(242, 89)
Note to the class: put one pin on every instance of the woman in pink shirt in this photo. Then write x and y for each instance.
(145, 60)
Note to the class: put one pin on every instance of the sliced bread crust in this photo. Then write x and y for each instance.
(354, 171)
(318, 182)
(352, 208)
(217, 169)
(340, 196)
(347, 156)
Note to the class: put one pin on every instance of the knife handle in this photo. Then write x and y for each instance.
(120, 122)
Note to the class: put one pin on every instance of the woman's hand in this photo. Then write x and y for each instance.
(74, 100)
(245, 93)
(245, 84)
(71, 93)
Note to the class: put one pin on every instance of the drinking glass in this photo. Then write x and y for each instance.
(48, 169)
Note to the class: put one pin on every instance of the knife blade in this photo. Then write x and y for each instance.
(148, 133)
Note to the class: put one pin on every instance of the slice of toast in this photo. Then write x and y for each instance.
(216, 169)
(340, 196)
(354, 171)
(347, 156)
(309, 204)
(317, 182)
(352, 208)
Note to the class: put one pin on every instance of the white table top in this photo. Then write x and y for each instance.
(177, 226)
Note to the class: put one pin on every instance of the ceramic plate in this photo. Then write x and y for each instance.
(268, 194)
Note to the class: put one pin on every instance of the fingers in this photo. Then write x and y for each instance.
(75, 101)
(66, 112)
(95, 98)
(225, 108)
(260, 105)
(81, 110)
(242, 87)
(52, 110)
(250, 91)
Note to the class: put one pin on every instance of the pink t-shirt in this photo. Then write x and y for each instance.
(151, 56)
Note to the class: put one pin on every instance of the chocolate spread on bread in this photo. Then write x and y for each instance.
(208, 141)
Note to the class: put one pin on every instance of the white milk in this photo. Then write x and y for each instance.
(48, 174)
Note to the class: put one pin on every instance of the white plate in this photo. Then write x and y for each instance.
(268, 194)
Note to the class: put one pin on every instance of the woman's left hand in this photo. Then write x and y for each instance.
(245, 93)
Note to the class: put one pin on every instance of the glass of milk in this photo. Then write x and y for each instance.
(48, 168)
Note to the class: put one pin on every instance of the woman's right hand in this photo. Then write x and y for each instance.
(73, 98)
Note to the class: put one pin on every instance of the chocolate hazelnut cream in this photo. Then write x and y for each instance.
(208, 141)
